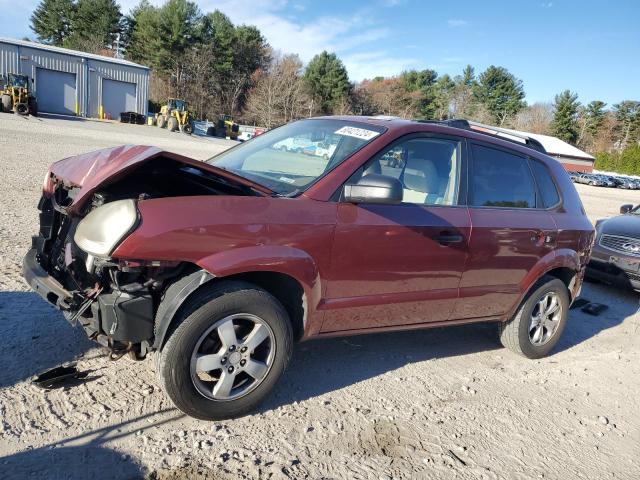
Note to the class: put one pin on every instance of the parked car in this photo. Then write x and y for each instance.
(626, 183)
(606, 180)
(573, 175)
(220, 266)
(589, 179)
(615, 258)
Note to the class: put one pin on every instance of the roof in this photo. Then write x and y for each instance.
(554, 146)
(66, 51)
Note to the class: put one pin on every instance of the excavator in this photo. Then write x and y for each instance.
(16, 96)
(175, 116)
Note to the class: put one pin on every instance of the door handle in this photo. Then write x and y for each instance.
(448, 238)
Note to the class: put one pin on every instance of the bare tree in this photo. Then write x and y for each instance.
(535, 118)
(279, 94)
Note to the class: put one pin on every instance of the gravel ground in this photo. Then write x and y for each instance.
(443, 403)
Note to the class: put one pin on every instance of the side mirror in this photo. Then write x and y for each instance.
(374, 188)
(626, 208)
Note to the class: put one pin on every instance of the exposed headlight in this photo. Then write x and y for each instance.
(102, 229)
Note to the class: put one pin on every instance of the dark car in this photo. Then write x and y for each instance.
(615, 257)
(219, 266)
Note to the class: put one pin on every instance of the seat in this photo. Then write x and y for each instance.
(421, 181)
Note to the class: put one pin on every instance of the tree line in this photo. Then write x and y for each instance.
(219, 67)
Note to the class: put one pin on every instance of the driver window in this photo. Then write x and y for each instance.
(428, 168)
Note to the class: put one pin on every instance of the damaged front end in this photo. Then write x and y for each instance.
(88, 207)
(69, 265)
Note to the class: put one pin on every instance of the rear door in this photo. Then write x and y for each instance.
(512, 230)
(395, 265)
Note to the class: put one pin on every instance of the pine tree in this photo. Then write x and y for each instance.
(500, 92)
(628, 123)
(565, 119)
(52, 19)
(594, 116)
(95, 25)
(141, 34)
(327, 80)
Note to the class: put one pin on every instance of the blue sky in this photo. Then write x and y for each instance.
(590, 47)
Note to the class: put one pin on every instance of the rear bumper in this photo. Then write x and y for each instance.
(44, 284)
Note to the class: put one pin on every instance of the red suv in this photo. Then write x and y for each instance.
(220, 266)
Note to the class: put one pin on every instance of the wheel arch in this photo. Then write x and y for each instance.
(288, 290)
(563, 264)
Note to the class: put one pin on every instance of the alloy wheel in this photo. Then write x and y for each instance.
(232, 357)
(545, 319)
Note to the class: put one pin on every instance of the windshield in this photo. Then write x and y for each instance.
(290, 158)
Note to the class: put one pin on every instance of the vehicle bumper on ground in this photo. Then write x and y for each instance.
(614, 268)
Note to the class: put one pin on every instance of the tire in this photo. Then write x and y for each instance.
(161, 121)
(592, 184)
(172, 124)
(516, 334)
(7, 104)
(22, 109)
(192, 392)
(187, 128)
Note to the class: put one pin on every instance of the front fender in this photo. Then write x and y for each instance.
(269, 258)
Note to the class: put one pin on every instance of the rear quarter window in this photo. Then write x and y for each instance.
(546, 185)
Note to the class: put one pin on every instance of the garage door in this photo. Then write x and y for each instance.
(56, 91)
(118, 97)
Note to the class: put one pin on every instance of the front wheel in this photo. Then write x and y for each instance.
(231, 345)
(537, 325)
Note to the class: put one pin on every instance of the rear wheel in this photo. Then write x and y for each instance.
(172, 124)
(230, 346)
(537, 325)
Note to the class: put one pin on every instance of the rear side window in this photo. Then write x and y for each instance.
(501, 179)
(547, 188)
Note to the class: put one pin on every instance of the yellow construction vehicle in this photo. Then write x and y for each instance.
(16, 96)
(175, 116)
(226, 127)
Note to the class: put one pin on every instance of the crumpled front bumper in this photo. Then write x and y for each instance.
(43, 283)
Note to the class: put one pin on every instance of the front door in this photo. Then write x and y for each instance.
(396, 265)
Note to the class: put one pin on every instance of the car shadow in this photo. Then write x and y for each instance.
(322, 366)
(35, 337)
(85, 456)
(621, 303)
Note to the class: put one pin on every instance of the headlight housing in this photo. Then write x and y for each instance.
(103, 228)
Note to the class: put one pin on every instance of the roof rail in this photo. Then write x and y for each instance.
(503, 133)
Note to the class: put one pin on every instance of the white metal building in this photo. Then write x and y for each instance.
(572, 158)
(69, 82)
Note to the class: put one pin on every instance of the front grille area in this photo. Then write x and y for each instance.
(617, 243)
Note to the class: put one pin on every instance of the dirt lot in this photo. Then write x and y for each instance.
(444, 403)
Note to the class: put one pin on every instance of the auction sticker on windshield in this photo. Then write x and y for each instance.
(361, 133)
